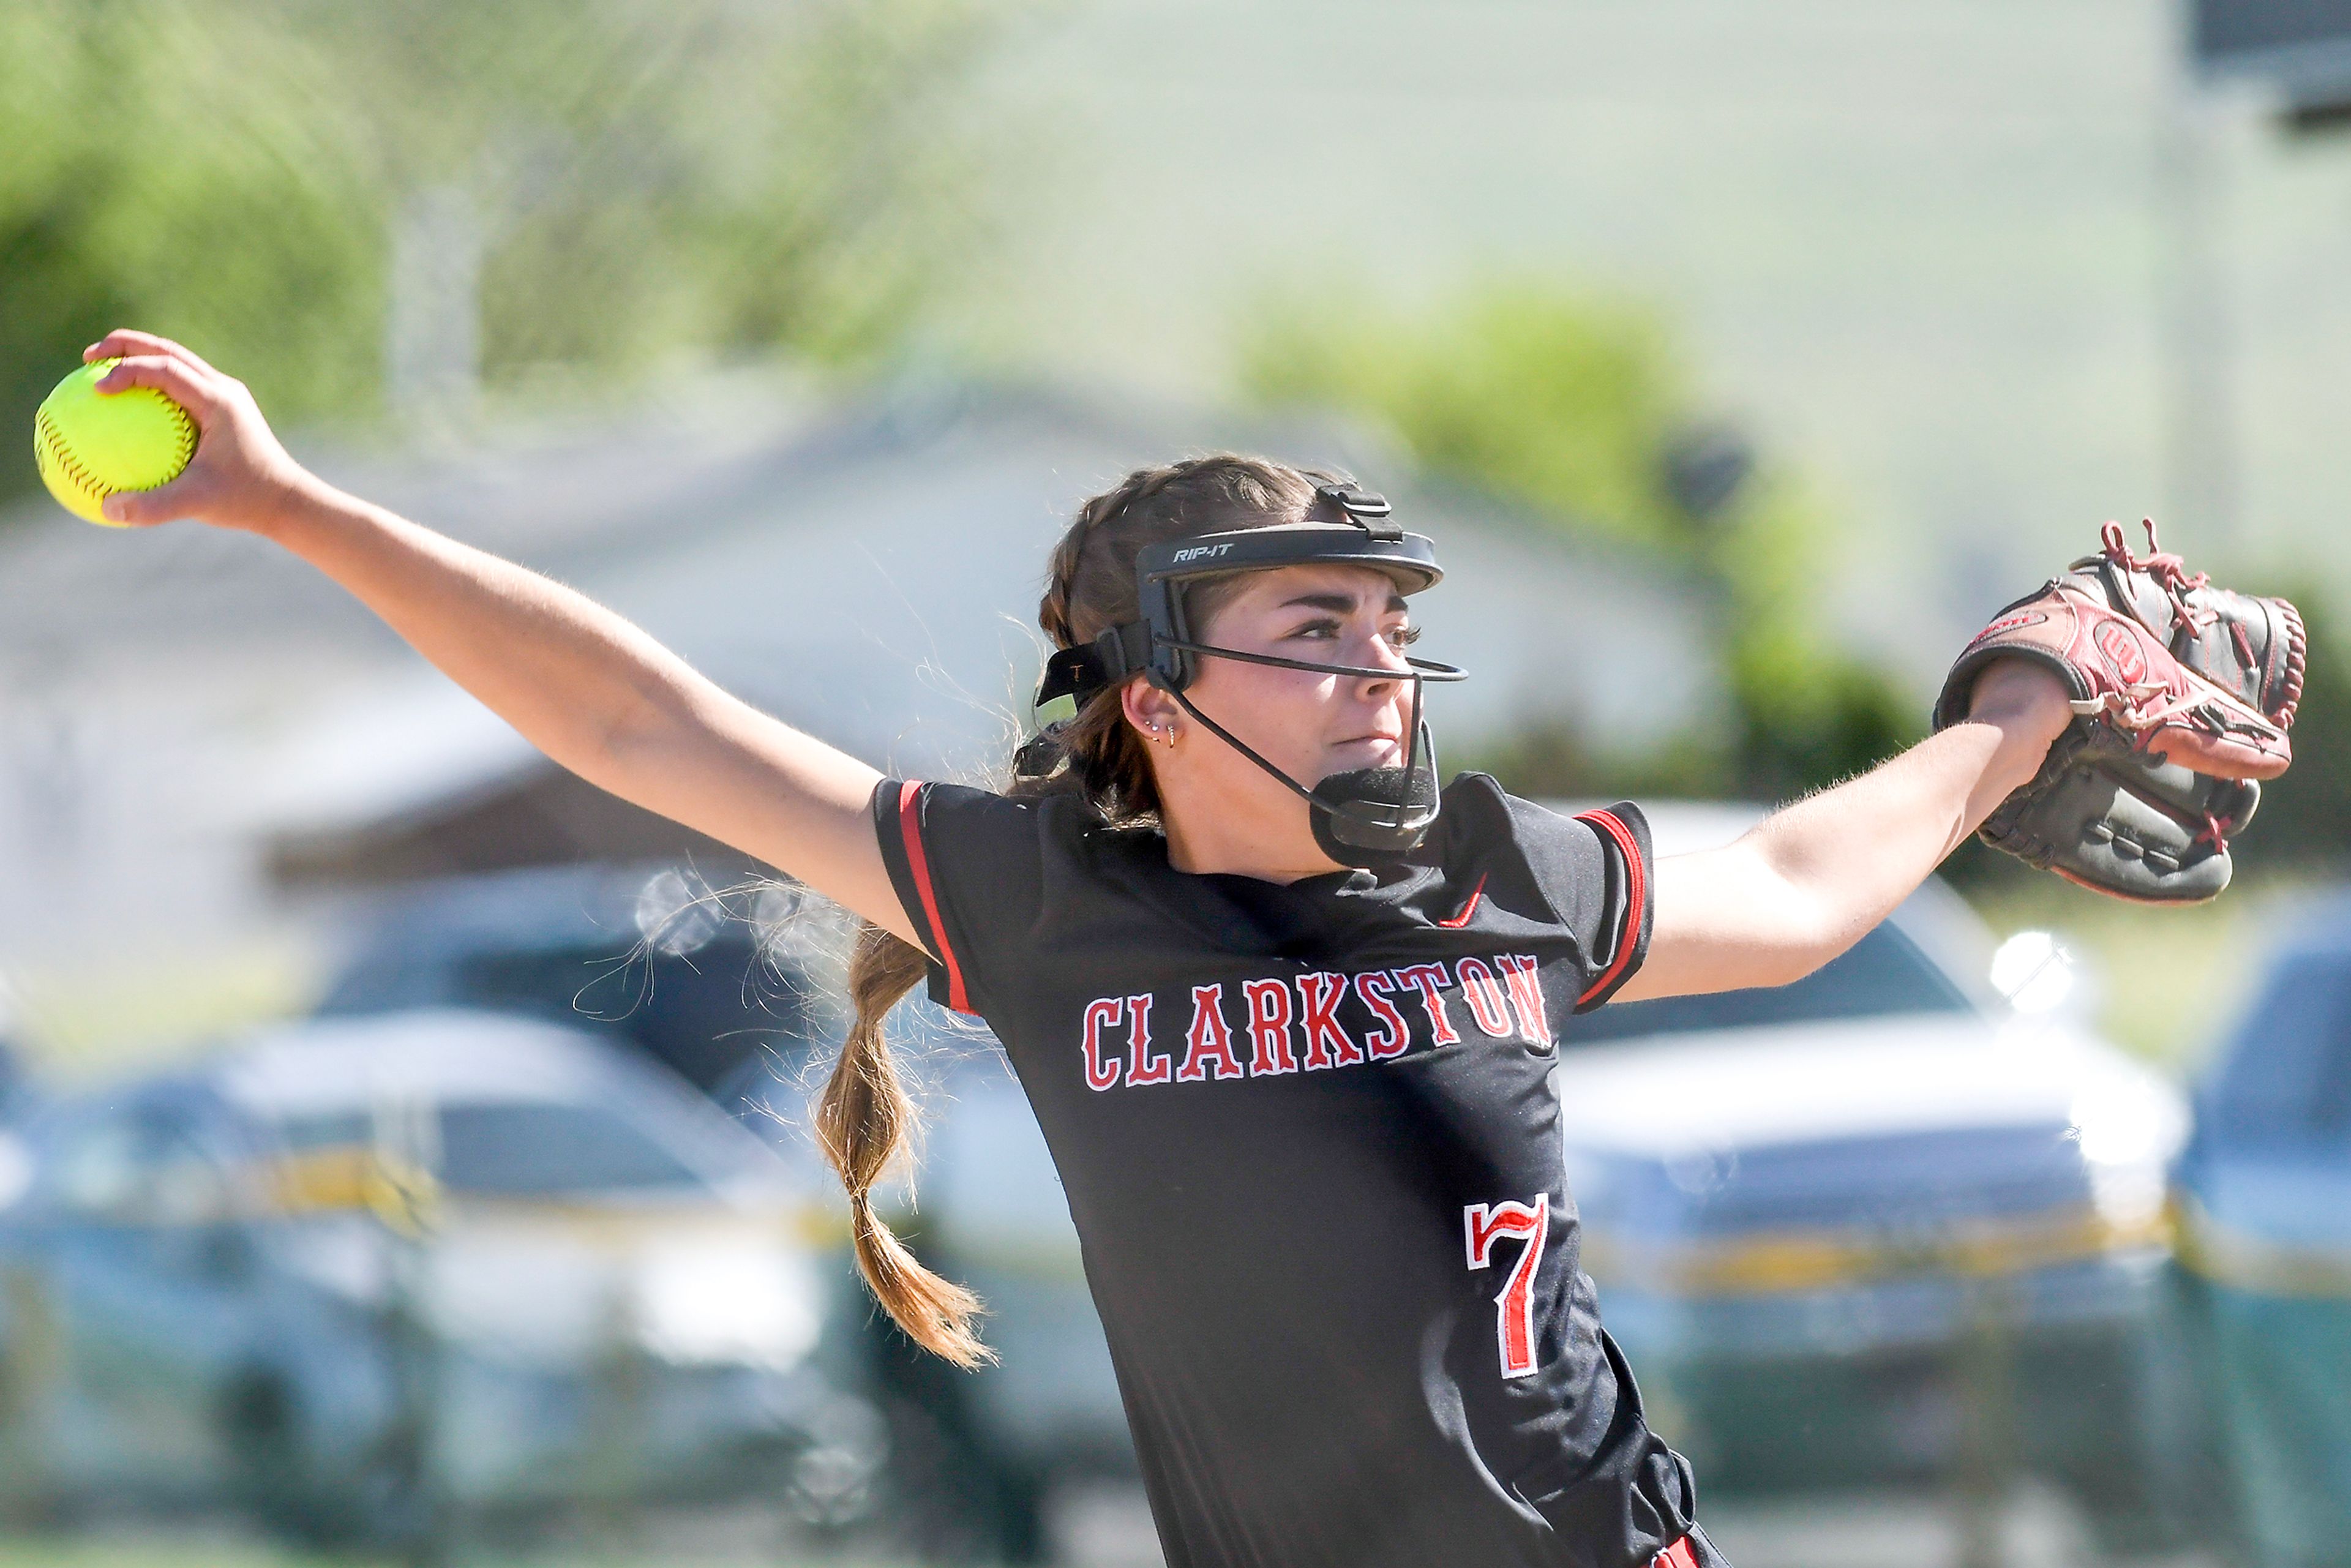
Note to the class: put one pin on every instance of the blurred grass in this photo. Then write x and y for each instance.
(158, 1551)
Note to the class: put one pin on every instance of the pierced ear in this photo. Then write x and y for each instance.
(1147, 708)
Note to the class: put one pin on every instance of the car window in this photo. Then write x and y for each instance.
(2290, 1072)
(1883, 973)
(540, 1150)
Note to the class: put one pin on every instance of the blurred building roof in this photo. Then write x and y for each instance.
(184, 707)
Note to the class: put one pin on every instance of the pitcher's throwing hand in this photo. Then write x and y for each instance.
(240, 477)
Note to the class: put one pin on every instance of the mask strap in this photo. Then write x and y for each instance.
(1238, 744)
(1411, 755)
(1412, 746)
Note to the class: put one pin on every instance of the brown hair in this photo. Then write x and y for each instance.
(866, 1115)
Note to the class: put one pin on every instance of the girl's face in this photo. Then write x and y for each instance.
(1310, 726)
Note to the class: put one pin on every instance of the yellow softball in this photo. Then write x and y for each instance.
(89, 447)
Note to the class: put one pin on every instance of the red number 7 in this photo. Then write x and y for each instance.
(1527, 1222)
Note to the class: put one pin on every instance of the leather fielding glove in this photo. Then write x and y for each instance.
(2182, 696)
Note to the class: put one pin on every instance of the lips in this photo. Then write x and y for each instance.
(1383, 748)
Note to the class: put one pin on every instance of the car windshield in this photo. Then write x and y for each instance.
(524, 1150)
(1883, 973)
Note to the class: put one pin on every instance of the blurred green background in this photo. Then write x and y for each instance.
(1857, 319)
(628, 192)
(630, 184)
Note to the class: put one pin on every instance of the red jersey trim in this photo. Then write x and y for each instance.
(1468, 909)
(910, 795)
(1678, 1555)
(1635, 898)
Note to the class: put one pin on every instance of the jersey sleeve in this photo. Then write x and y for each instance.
(1598, 873)
(966, 866)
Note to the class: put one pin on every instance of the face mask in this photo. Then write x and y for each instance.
(1365, 817)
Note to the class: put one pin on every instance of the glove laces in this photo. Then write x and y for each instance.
(2169, 571)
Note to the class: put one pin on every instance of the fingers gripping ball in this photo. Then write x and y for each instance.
(90, 446)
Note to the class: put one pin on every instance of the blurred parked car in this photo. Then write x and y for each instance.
(366, 1275)
(2264, 1194)
(713, 984)
(1834, 1224)
(722, 989)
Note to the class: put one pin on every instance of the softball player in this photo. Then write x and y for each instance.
(1285, 1010)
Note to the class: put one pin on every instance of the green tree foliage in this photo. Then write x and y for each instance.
(658, 173)
(1810, 711)
(140, 183)
(649, 178)
(1549, 398)
(1569, 403)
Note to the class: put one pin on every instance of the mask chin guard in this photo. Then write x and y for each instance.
(1366, 817)
(1373, 816)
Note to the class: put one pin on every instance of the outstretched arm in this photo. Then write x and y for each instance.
(1810, 880)
(584, 685)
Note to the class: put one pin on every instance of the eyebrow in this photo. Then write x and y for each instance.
(1337, 604)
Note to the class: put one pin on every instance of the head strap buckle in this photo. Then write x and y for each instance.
(1367, 509)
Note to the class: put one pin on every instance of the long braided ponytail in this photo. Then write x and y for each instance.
(866, 1116)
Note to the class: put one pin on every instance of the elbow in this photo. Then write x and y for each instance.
(621, 747)
(1783, 965)
(1741, 919)
(624, 753)
(1808, 933)
(1795, 967)
(1802, 917)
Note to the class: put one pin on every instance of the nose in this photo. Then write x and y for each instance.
(1382, 654)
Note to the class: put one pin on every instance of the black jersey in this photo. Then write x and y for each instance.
(1309, 1141)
